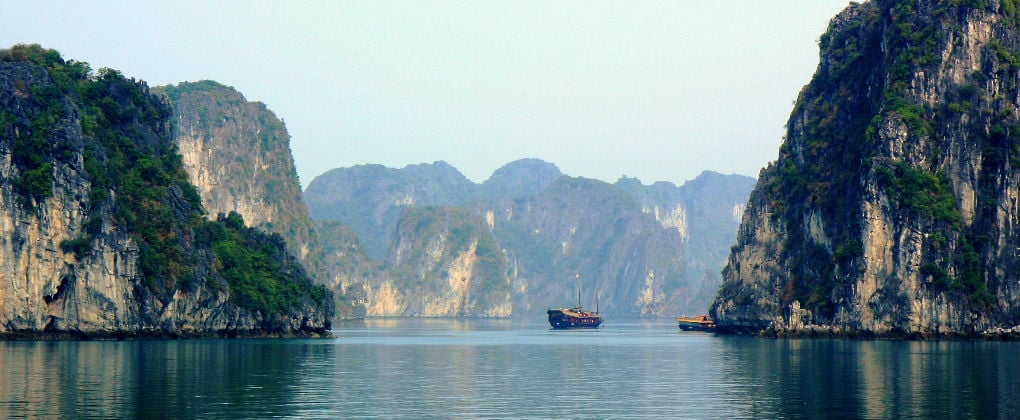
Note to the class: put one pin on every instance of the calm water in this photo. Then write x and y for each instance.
(510, 369)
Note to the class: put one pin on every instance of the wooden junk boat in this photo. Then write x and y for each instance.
(576, 317)
(696, 323)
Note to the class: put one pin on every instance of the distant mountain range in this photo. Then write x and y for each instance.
(646, 250)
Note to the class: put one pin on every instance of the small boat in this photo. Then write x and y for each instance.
(696, 323)
(576, 317)
(564, 318)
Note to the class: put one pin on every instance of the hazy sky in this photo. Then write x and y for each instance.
(658, 90)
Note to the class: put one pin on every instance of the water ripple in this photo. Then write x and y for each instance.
(503, 369)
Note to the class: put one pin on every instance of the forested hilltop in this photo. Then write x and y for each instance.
(892, 209)
(104, 233)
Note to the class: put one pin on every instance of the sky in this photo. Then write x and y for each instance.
(655, 90)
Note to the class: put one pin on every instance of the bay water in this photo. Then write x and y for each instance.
(444, 368)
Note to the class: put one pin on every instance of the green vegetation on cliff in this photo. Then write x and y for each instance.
(248, 262)
(891, 205)
(138, 183)
(840, 120)
(238, 153)
(920, 191)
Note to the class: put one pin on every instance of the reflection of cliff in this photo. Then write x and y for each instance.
(372, 372)
(869, 379)
(149, 379)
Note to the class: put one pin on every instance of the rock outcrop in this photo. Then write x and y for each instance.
(632, 244)
(443, 262)
(103, 235)
(370, 198)
(704, 213)
(520, 178)
(237, 154)
(892, 209)
(578, 226)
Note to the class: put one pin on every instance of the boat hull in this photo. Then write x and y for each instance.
(696, 323)
(563, 319)
(695, 327)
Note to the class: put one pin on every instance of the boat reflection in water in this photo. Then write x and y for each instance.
(696, 323)
(576, 317)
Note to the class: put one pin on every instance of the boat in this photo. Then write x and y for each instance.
(576, 317)
(696, 323)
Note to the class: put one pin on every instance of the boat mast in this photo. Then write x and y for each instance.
(578, 276)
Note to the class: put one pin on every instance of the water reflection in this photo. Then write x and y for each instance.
(487, 369)
(875, 379)
(152, 379)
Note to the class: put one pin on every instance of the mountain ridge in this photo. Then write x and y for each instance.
(536, 215)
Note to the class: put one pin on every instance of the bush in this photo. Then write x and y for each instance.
(920, 191)
(257, 278)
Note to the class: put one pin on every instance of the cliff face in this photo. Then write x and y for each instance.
(103, 234)
(704, 213)
(892, 209)
(370, 197)
(443, 262)
(629, 242)
(346, 267)
(237, 154)
(594, 229)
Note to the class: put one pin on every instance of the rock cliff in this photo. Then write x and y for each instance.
(594, 229)
(103, 235)
(704, 213)
(347, 268)
(237, 154)
(631, 243)
(443, 262)
(370, 198)
(892, 209)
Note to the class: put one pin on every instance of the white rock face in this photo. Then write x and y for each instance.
(675, 218)
(237, 154)
(886, 259)
(435, 275)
